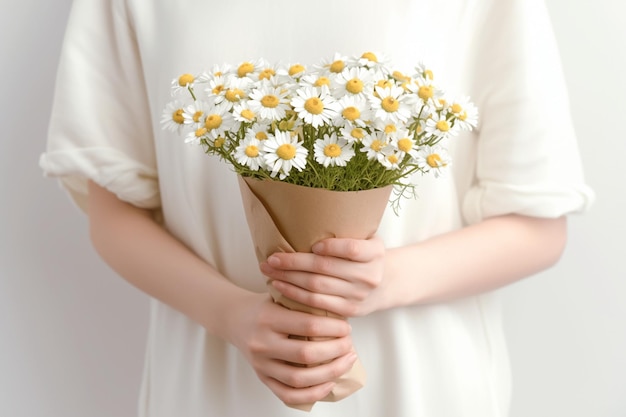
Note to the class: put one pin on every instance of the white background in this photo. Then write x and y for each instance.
(72, 334)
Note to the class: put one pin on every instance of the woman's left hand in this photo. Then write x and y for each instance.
(343, 276)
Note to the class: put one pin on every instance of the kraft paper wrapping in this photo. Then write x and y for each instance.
(290, 218)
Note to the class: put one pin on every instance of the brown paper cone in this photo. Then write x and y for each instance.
(289, 218)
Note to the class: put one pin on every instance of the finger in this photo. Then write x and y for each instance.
(356, 250)
(279, 266)
(301, 377)
(298, 396)
(311, 352)
(289, 322)
(339, 303)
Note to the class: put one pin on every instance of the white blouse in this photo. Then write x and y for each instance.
(444, 360)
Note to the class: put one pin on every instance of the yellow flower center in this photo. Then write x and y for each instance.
(219, 142)
(322, 81)
(252, 151)
(398, 76)
(270, 101)
(434, 160)
(351, 113)
(389, 129)
(201, 132)
(429, 74)
(370, 56)
(286, 151)
(337, 66)
(377, 145)
(261, 135)
(245, 69)
(456, 108)
(443, 125)
(248, 114)
(463, 116)
(405, 144)
(213, 121)
(234, 94)
(390, 104)
(197, 115)
(384, 83)
(314, 105)
(177, 116)
(393, 159)
(425, 92)
(296, 69)
(354, 86)
(357, 133)
(218, 89)
(185, 80)
(266, 74)
(332, 150)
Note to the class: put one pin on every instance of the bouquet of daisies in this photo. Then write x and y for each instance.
(345, 124)
(318, 150)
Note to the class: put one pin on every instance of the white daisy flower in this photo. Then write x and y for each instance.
(216, 86)
(333, 66)
(195, 113)
(376, 61)
(316, 80)
(333, 151)
(249, 69)
(422, 71)
(440, 126)
(243, 113)
(195, 136)
(354, 81)
(183, 83)
(404, 142)
(249, 153)
(391, 159)
(465, 113)
(283, 152)
(293, 70)
(353, 133)
(218, 120)
(259, 131)
(375, 146)
(425, 89)
(391, 104)
(173, 117)
(354, 110)
(269, 102)
(434, 159)
(315, 106)
(234, 90)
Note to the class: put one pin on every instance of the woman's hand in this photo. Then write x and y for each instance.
(343, 276)
(260, 329)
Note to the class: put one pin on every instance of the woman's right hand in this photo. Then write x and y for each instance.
(260, 329)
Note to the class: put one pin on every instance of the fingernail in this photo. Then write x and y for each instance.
(273, 260)
(317, 247)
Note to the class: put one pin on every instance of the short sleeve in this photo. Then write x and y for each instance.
(100, 127)
(528, 160)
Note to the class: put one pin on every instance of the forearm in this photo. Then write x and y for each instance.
(472, 260)
(151, 259)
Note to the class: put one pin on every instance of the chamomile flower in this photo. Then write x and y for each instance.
(243, 113)
(375, 146)
(233, 90)
(249, 69)
(391, 159)
(405, 142)
(333, 151)
(335, 65)
(173, 118)
(294, 70)
(249, 153)
(315, 106)
(216, 86)
(316, 80)
(465, 113)
(422, 71)
(440, 126)
(353, 133)
(269, 102)
(183, 83)
(424, 88)
(259, 131)
(196, 136)
(195, 113)
(284, 151)
(353, 110)
(218, 120)
(391, 104)
(375, 61)
(433, 159)
(354, 81)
